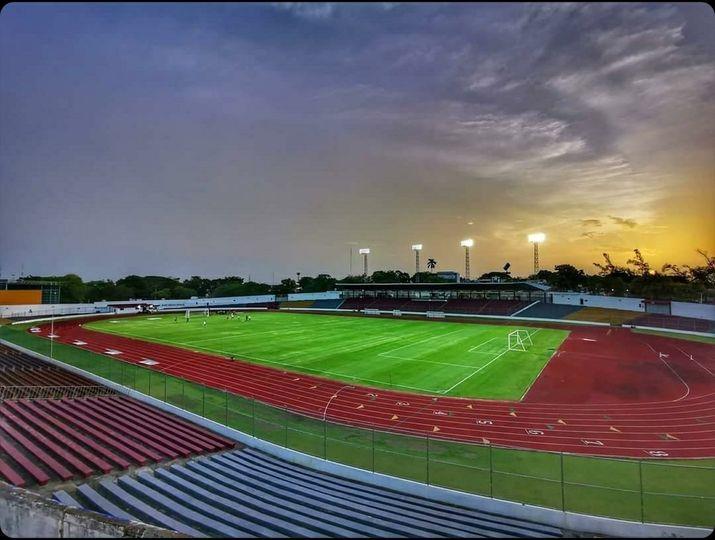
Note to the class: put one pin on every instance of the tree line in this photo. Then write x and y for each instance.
(637, 278)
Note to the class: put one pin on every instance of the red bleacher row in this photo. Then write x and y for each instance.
(49, 439)
(474, 307)
(18, 369)
(665, 407)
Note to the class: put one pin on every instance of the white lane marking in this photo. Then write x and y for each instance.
(674, 372)
(694, 360)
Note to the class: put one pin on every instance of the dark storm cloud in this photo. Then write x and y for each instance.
(237, 138)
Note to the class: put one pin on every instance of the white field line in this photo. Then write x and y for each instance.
(694, 360)
(422, 341)
(484, 343)
(425, 361)
(473, 374)
(481, 368)
(675, 372)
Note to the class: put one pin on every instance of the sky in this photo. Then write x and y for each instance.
(267, 139)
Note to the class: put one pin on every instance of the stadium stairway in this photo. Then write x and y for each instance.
(542, 310)
(249, 493)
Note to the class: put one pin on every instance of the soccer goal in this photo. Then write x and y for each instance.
(519, 340)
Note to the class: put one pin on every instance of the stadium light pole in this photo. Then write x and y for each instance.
(536, 239)
(466, 244)
(417, 248)
(364, 252)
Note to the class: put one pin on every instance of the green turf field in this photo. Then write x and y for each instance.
(455, 359)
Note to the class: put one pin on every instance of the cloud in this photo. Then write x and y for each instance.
(307, 10)
(625, 222)
(591, 223)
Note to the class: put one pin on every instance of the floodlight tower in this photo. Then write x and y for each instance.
(466, 244)
(364, 252)
(417, 248)
(536, 239)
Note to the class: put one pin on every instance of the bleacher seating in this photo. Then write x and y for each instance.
(674, 322)
(248, 493)
(50, 439)
(18, 369)
(356, 303)
(604, 315)
(424, 305)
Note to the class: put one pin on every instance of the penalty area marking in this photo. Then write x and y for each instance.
(483, 343)
(481, 368)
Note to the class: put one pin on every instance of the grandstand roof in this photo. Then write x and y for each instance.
(465, 286)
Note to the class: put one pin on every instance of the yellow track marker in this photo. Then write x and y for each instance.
(512, 413)
(313, 387)
(435, 429)
(669, 436)
(361, 406)
(561, 421)
(485, 440)
(469, 406)
(614, 429)
(394, 417)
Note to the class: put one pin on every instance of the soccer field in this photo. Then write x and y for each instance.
(453, 359)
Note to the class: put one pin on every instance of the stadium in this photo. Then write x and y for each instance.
(357, 270)
(593, 419)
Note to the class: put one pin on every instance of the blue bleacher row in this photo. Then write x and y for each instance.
(249, 493)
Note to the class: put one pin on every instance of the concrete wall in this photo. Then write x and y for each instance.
(682, 309)
(592, 300)
(24, 514)
(31, 310)
(197, 302)
(329, 295)
(697, 311)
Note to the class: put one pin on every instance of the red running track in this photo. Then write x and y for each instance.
(606, 391)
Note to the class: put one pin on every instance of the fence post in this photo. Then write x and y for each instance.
(225, 392)
(183, 399)
(203, 401)
(325, 440)
(373, 450)
(563, 493)
(253, 417)
(285, 421)
(165, 387)
(640, 478)
(428, 458)
(491, 473)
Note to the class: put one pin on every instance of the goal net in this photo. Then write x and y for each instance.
(519, 340)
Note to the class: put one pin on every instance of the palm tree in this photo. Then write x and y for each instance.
(431, 263)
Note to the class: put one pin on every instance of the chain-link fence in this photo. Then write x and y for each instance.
(653, 490)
